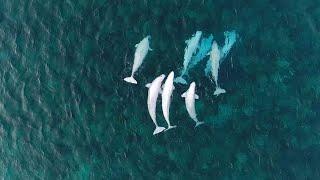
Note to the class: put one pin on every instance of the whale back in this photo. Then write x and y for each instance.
(153, 94)
(192, 45)
(166, 95)
(141, 51)
(190, 101)
(214, 58)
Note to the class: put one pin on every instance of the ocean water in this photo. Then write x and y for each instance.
(66, 113)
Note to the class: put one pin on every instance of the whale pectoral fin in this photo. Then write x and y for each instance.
(136, 45)
(196, 96)
(150, 49)
(184, 95)
(148, 85)
(174, 87)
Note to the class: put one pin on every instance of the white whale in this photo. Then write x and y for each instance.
(190, 96)
(142, 49)
(166, 98)
(192, 46)
(153, 92)
(215, 57)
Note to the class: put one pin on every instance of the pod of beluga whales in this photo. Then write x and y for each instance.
(195, 52)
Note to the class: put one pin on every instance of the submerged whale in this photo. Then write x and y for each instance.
(153, 92)
(142, 49)
(215, 64)
(192, 46)
(217, 56)
(166, 98)
(190, 97)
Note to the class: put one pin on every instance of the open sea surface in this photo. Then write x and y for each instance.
(66, 113)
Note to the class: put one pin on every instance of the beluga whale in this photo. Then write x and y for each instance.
(142, 49)
(217, 56)
(214, 62)
(166, 98)
(191, 48)
(153, 92)
(190, 96)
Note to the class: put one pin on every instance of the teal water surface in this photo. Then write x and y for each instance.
(66, 113)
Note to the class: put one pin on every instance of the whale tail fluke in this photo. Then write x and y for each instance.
(199, 123)
(130, 80)
(180, 80)
(170, 127)
(219, 91)
(158, 130)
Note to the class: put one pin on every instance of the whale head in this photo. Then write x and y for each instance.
(198, 33)
(162, 76)
(214, 45)
(215, 52)
(171, 75)
(193, 85)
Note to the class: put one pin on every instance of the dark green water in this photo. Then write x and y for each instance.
(66, 113)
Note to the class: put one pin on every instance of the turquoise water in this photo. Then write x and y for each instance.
(66, 113)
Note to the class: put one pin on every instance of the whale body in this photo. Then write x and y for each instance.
(142, 49)
(219, 55)
(166, 98)
(230, 39)
(153, 92)
(192, 45)
(214, 59)
(190, 97)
